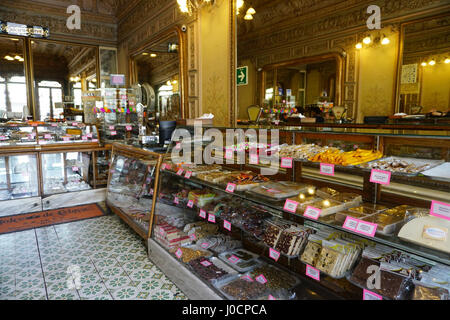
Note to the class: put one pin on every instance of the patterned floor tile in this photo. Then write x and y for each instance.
(30, 283)
(93, 290)
(30, 294)
(141, 275)
(112, 272)
(117, 282)
(64, 295)
(106, 264)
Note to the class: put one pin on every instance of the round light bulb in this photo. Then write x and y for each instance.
(248, 17)
(385, 41)
(423, 64)
(251, 11)
(302, 196)
(367, 40)
(326, 203)
(239, 4)
(432, 63)
(153, 55)
(9, 58)
(145, 53)
(447, 60)
(311, 190)
(358, 45)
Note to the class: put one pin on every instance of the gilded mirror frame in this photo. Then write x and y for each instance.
(403, 26)
(340, 67)
(132, 70)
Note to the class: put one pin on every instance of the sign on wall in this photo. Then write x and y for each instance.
(242, 76)
(17, 29)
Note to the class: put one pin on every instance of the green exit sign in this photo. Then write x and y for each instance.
(242, 76)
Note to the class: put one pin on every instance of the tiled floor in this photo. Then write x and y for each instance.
(100, 258)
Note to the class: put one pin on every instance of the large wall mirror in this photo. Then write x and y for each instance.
(157, 73)
(13, 84)
(424, 68)
(279, 85)
(62, 72)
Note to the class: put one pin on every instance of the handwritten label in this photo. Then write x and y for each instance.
(327, 169)
(179, 253)
(54, 124)
(312, 272)
(89, 135)
(113, 133)
(205, 263)
(360, 226)
(84, 138)
(274, 254)
(74, 124)
(440, 209)
(261, 279)
(286, 162)
(202, 214)
(2, 138)
(129, 128)
(230, 187)
(227, 225)
(190, 203)
(211, 218)
(233, 259)
(381, 177)
(188, 174)
(369, 295)
(254, 159)
(111, 127)
(180, 172)
(290, 205)
(66, 138)
(312, 212)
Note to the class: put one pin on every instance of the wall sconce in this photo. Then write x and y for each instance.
(367, 40)
(385, 40)
(423, 64)
(250, 12)
(239, 5)
(358, 46)
(189, 6)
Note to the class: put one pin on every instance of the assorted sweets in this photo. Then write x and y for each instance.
(349, 158)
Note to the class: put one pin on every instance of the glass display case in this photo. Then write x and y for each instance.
(17, 135)
(133, 179)
(362, 214)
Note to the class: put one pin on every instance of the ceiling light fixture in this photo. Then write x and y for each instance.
(385, 40)
(189, 6)
(248, 17)
(358, 45)
(447, 60)
(153, 55)
(7, 57)
(423, 64)
(432, 62)
(145, 53)
(239, 5)
(367, 40)
(251, 11)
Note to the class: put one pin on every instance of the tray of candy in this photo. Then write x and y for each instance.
(245, 261)
(419, 165)
(276, 277)
(240, 287)
(211, 269)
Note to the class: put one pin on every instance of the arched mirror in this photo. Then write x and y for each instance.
(157, 74)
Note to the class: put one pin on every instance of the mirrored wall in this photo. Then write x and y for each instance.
(425, 67)
(157, 75)
(13, 84)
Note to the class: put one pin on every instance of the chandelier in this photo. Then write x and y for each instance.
(189, 6)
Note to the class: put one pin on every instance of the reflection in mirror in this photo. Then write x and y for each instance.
(425, 69)
(62, 72)
(158, 74)
(108, 65)
(13, 89)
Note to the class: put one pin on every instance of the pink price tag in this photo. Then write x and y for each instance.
(360, 226)
(129, 128)
(274, 254)
(234, 259)
(380, 176)
(205, 263)
(350, 223)
(211, 218)
(190, 203)
(440, 209)
(230, 187)
(180, 172)
(286, 162)
(179, 253)
(94, 140)
(178, 146)
(192, 237)
(74, 168)
(254, 159)
(84, 138)
(227, 225)
(74, 124)
(89, 135)
(228, 154)
(327, 169)
(66, 139)
(47, 136)
(163, 166)
(54, 124)
(162, 232)
(113, 133)
(261, 279)
(34, 125)
(290, 206)
(369, 295)
(204, 245)
(271, 297)
(312, 272)
(188, 174)
(111, 127)
(312, 212)
(202, 214)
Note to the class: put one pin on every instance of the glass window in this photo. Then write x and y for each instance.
(17, 96)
